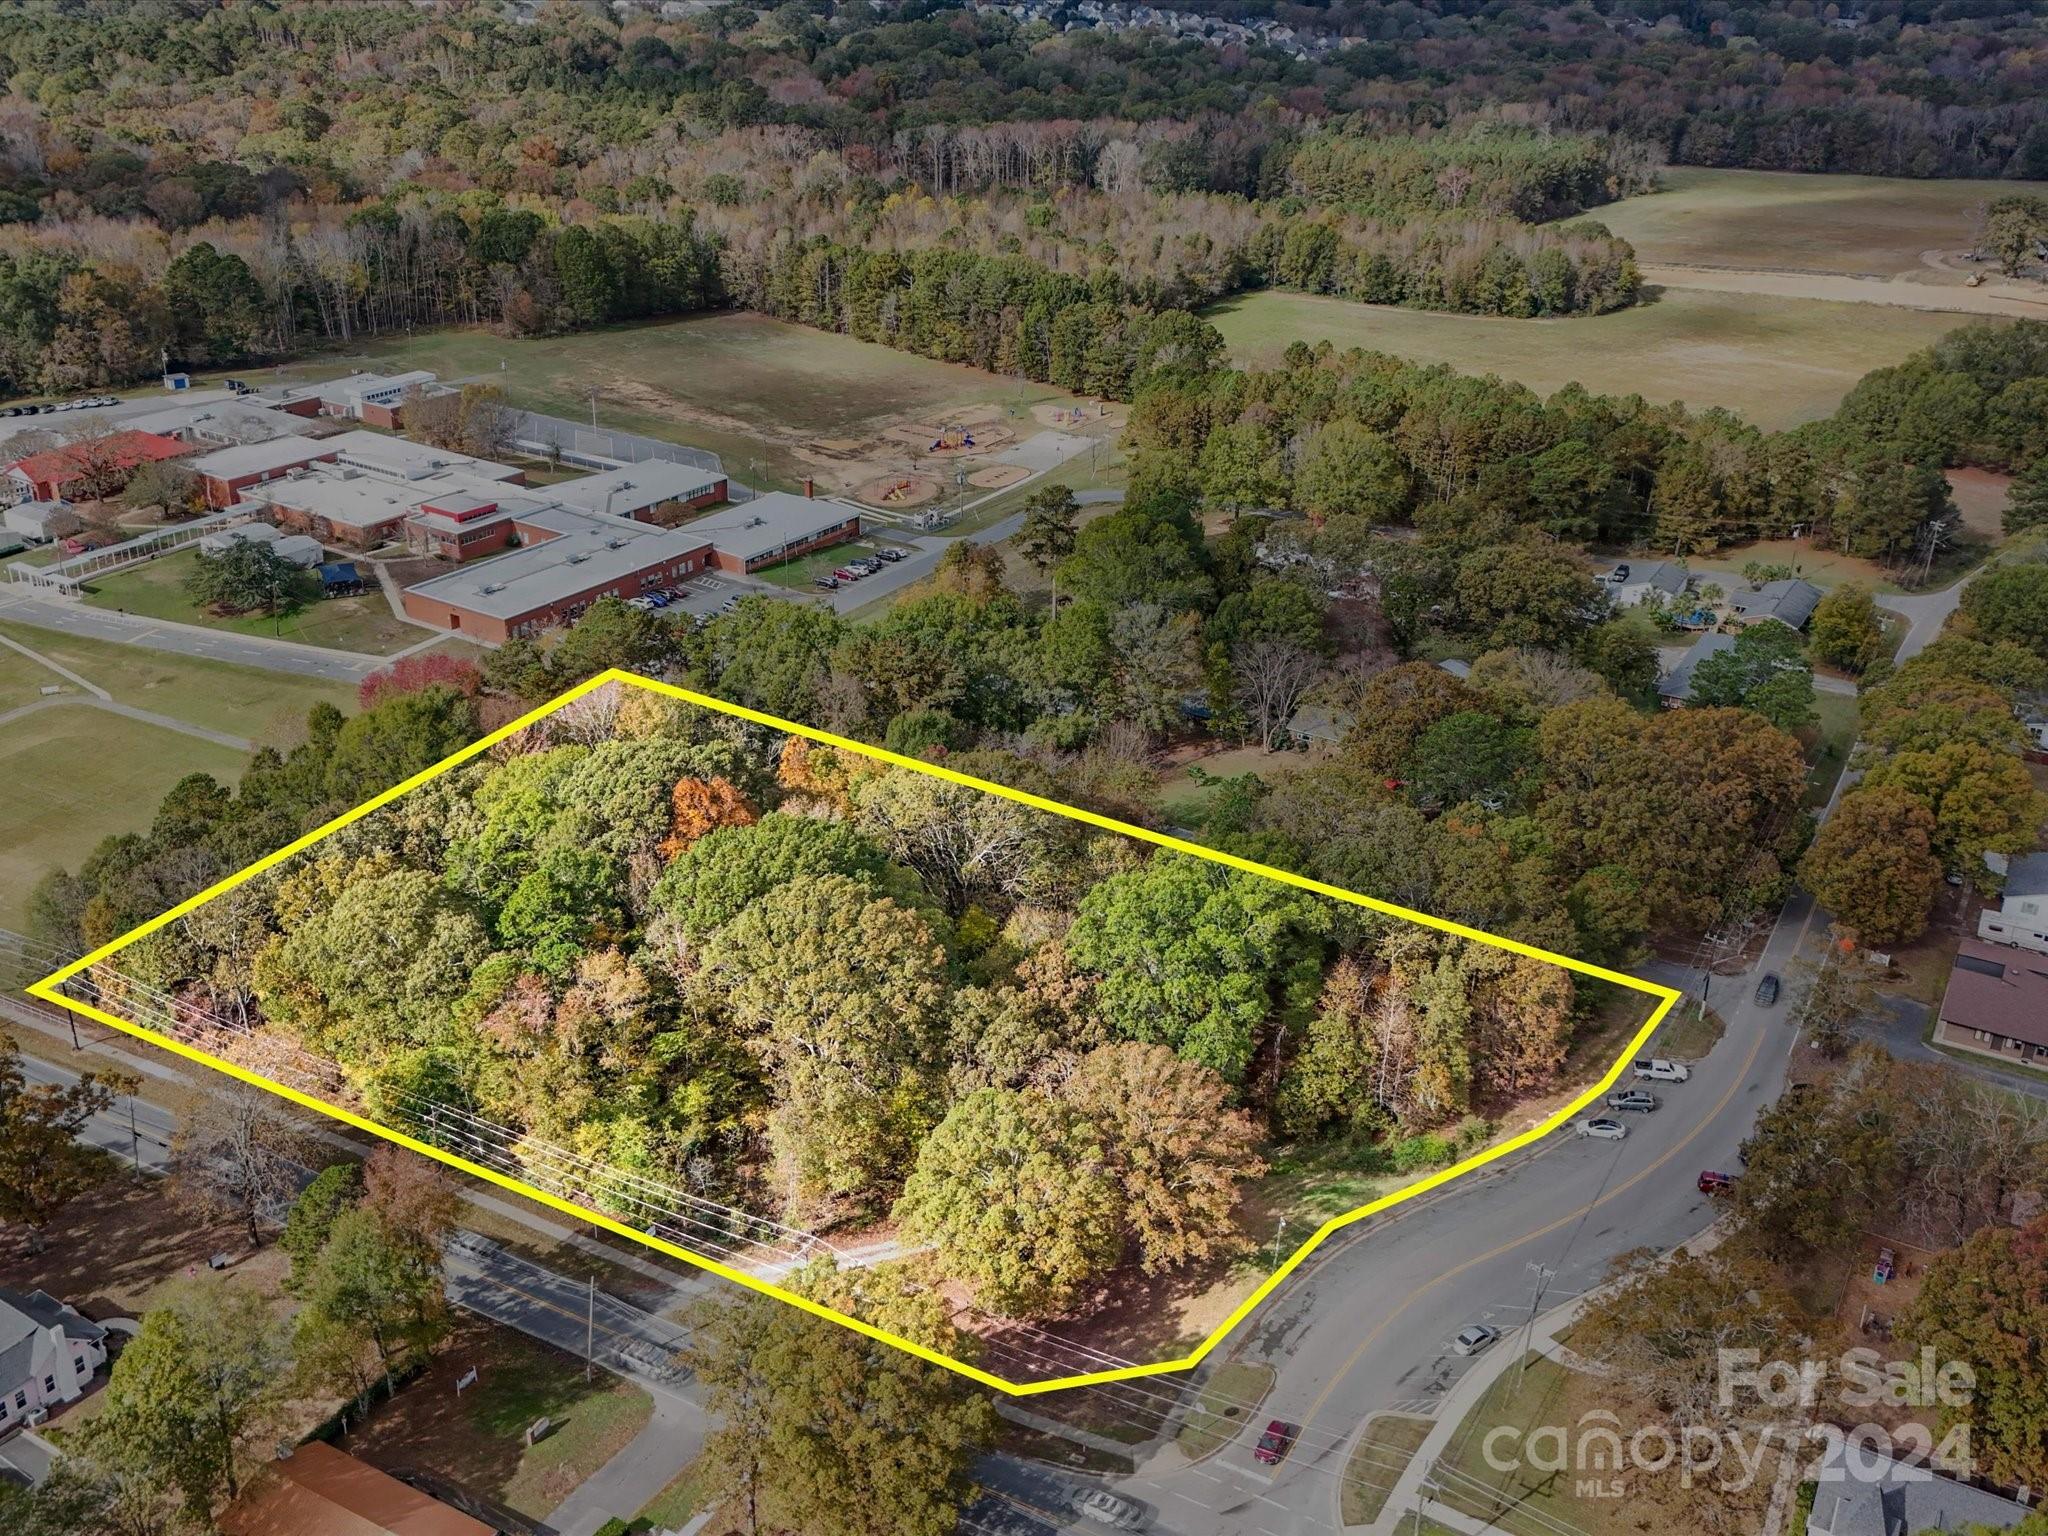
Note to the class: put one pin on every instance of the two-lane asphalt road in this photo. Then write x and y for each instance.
(134, 1130)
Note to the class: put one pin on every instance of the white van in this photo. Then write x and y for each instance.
(1657, 1069)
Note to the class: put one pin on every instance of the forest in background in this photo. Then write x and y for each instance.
(381, 165)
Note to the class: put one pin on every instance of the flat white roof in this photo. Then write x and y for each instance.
(353, 499)
(587, 551)
(634, 487)
(262, 458)
(354, 387)
(768, 523)
(401, 457)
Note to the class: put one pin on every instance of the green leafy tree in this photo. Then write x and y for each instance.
(1347, 468)
(1051, 519)
(1198, 957)
(1140, 553)
(248, 577)
(370, 1282)
(718, 876)
(1016, 1191)
(2009, 602)
(403, 735)
(306, 1226)
(1846, 631)
(843, 992)
(1468, 756)
(205, 1361)
(2027, 503)
(1874, 866)
(1523, 594)
(1765, 670)
(379, 967)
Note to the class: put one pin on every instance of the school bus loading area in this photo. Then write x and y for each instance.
(71, 987)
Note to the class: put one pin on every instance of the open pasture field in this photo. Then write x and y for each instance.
(1880, 226)
(1777, 362)
(776, 402)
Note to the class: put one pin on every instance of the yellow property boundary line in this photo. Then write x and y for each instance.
(50, 989)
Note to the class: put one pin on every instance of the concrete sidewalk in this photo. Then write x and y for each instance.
(1414, 1488)
(623, 1486)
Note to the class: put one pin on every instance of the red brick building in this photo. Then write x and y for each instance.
(568, 559)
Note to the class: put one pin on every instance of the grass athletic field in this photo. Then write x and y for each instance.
(1777, 362)
(77, 774)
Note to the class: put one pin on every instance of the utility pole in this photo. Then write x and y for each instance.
(1276, 1241)
(134, 1136)
(590, 1332)
(1544, 1275)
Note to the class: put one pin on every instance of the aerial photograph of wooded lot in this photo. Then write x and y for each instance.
(1019, 1067)
(1012, 767)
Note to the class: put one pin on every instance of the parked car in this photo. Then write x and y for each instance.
(890, 555)
(866, 567)
(1767, 990)
(847, 573)
(1657, 1070)
(829, 583)
(1601, 1129)
(1887, 1266)
(1638, 1101)
(1105, 1508)
(1470, 1341)
(1276, 1442)
(1713, 1183)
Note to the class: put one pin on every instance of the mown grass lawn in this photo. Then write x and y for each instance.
(266, 707)
(157, 591)
(1377, 1462)
(477, 1438)
(1228, 1400)
(74, 775)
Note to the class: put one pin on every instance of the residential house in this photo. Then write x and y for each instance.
(49, 1353)
(1903, 1500)
(1790, 601)
(1997, 1004)
(1634, 582)
(2023, 917)
(319, 1490)
(1675, 686)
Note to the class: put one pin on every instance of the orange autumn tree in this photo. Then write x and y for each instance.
(702, 806)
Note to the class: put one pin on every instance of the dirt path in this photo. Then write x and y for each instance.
(1998, 296)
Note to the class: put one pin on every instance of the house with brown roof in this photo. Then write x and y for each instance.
(321, 1491)
(1997, 1004)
